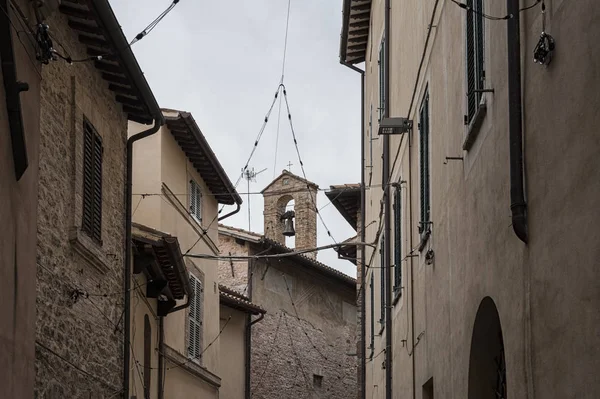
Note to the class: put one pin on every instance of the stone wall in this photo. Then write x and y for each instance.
(82, 330)
(277, 195)
(233, 274)
(303, 354)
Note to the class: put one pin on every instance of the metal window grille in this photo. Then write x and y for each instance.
(92, 182)
(474, 57)
(424, 159)
(382, 82)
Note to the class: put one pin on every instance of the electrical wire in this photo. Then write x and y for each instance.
(491, 17)
(153, 24)
(298, 361)
(314, 203)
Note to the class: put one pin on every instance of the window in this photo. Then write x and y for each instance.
(372, 289)
(382, 256)
(382, 82)
(317, 381)
(195, 319)
(397, 242)
(424, 163)
(195, 201)
(475, 58)
(92, 182)
(147, 356)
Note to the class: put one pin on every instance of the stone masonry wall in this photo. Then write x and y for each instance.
(81, 330)
(304, 356)
(285, 188)
(233, 274)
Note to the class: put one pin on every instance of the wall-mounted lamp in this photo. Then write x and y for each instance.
(389, 126)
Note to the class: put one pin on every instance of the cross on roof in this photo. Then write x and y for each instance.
(289, 165)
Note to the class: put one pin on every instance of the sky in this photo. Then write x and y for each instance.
(222, 61)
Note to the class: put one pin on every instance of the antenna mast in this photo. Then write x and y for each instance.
(250, 175)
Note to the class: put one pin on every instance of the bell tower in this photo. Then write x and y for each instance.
(277, 195)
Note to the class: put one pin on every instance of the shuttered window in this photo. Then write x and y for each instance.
(424, 160)
(92, 182)
(382, 82)
(474, 57)
(397, 241)
(372, 289)
(195, 319)
(382, 256)
(195, 201)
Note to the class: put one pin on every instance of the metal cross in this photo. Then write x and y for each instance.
(289, 165)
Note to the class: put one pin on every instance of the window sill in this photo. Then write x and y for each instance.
(475, 127)
(424, 238)
(90, 250)
(192, 367)
(397, 295)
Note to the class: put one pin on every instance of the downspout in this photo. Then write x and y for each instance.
(362, 352)
(239, 206)
(248, 338)
(387, 211)
(518, 206)
(127, 263)
(161, 357)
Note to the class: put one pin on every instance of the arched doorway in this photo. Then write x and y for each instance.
(487, 367)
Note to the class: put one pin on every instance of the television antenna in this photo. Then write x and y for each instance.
(250, 175)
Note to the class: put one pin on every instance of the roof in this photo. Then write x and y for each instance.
(236, 300)
(98, 29)
(167, 254)
(348, 251)
(277, 248)
(186, 132)
(293, 176)
(346, 199)
(356, 16)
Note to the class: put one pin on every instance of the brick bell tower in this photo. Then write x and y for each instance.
(285, 188)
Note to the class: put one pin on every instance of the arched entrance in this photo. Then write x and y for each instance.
(487, 367)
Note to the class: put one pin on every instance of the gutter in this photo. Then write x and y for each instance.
(518, 205)
(362, 351)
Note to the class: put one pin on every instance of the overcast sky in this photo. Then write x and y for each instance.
(222, 62)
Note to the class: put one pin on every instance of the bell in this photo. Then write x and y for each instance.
(288, 228)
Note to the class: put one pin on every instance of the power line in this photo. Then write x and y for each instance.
(314, 203)
(153, 24)
(298, 361)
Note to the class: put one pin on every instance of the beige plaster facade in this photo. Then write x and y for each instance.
(543, 295)
(162, 171)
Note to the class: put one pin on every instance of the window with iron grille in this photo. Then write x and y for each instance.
(475, 57)
(195, 201)
(92, 182)
(382, 256)
(424, 161)
(372, 289)
(382, 82)
(195, 319)
(397, 242)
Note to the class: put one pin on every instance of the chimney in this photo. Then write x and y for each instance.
(277, 195)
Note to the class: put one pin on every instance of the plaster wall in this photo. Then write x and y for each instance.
(18, 211)
(544, 291)
(233, 355)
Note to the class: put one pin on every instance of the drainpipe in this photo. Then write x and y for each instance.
(362, 343)
(387, 217)
(161, 357)
(127, 263)
(239, 206)
(518, 206)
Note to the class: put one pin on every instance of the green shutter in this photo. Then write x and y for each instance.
(474, 48)
(424, 159)
(397, 240)
(92, 182)
(382, 82)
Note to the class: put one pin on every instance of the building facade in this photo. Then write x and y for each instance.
(483, 282)
(305, 345)
(19, 146)
(85, 108)
(178, 187)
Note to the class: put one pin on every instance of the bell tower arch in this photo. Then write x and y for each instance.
(277, 195)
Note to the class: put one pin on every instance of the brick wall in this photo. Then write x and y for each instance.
(80, 330)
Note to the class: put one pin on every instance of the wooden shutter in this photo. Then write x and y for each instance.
(424, 157)
(372, 288)
(382, 81)
(195, 200)
(397, 240)
(382, 256)
(475, 56)
(92, 182)
(195, 319)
